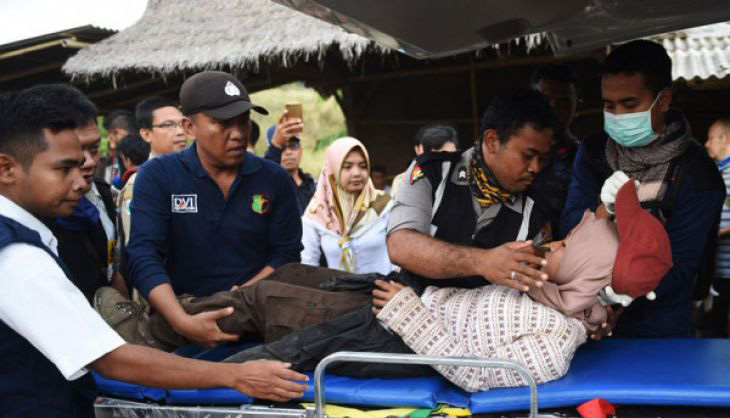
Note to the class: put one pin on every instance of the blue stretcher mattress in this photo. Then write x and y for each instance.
(691, 372)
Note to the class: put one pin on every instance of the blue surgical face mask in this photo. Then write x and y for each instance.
(630, 129)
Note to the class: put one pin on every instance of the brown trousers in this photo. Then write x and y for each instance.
(288, 300)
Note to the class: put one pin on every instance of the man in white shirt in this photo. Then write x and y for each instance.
(49, 335)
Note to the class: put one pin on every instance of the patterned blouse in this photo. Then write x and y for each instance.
(490, 322)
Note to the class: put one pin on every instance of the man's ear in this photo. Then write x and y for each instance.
(490, 142)
(665, 100)
(146, 134)
(9, 167)
(188, 126)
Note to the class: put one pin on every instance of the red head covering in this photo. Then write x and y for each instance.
(644, 254)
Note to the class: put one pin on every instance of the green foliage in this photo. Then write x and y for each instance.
(325, 142)
(323, 121)
(104, 146)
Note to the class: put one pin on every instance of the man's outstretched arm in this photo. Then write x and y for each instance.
(429, 257)
(261, 379)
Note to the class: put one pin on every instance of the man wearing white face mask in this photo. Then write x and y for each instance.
(646, 141)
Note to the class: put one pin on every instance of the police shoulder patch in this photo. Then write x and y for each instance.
(260, 203)
(416, 174)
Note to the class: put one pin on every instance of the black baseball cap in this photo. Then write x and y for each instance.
(217, 94)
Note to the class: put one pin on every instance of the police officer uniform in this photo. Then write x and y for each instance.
(434, 198)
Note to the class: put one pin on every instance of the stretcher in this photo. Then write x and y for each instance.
(687, 372)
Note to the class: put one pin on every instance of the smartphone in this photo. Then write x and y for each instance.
(294, 111)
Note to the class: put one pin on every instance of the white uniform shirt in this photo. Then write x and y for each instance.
(41, 304)
(367, 245)
(111, 234)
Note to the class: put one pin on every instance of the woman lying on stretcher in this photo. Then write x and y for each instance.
(598, 264)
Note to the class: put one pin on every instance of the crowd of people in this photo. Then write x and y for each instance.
(522, 246)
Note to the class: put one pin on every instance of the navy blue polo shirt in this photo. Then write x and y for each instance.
(185, 233)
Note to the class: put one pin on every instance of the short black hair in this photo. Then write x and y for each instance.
(121, 119)
(380, 168)
(511, 110)
(554, 72)
(135, 148)
(144, 110)
(255, 133)
(433, 137)
(647, 58)
(25, 114)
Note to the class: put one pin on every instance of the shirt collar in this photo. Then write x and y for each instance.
(11, 210)
(724, 163)
(93, 193)
(189, 157)
(460, 177)
(515, 203)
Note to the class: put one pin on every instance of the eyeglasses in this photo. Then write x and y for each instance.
(168, 125)
(293, 145)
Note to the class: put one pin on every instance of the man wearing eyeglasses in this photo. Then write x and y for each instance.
(285, 148)
(160, 125)
(159, 122)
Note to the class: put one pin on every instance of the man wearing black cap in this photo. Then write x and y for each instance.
(212, 216)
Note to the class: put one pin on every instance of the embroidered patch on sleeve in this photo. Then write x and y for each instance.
(416, 174)
(260, 203)
(184, 203)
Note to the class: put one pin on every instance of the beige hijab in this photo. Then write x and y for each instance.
(586, 268)
(338, 210)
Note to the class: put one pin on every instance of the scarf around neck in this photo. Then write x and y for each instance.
(649, 164)
(484, 186)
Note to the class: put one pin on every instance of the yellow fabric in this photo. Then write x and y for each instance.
(489, 193)
(455, 412)
(335, 411)
(347, 205)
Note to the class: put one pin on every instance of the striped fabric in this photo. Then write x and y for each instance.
(722, 267)
(491, 321)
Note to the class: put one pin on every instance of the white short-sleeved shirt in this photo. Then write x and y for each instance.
(41, 304)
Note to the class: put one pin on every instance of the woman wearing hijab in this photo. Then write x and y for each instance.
(600, 263)
(347, 217)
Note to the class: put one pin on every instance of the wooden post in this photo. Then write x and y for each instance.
(345, 103)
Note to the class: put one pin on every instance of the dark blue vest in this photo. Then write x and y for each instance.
(30, 385)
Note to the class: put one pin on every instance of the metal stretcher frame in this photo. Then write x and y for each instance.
(108, 407)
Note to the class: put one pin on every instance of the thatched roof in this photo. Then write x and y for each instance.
(184, 35)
